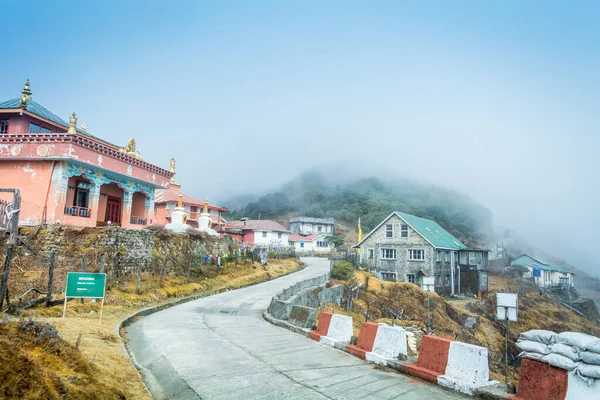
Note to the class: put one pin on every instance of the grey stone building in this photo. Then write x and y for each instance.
(308, 225)
(406, 248)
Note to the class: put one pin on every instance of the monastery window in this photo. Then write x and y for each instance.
(388, 254)
(416, 255)
(410, 278)
(170, 205)
(45, 130)
(404, 231)
(34, 128)
(3, 126)
(82, 194)
(389, 231)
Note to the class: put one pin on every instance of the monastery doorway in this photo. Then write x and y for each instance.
(110, 206)
(113, 211)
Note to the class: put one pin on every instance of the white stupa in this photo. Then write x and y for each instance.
(178, 216)
(204, 221)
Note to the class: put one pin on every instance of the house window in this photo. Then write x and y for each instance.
(322, 244)
(388, 254)
(447, 256)
(82, 194)
(301, 245)
(389, 231)
(438, 256)
(404, 231)
(438, 280)
(34, 128)
(279, 235)
(264, 234)
(3, 126)
(370, 254)
(319, 228)
(410, 278)
(45, 130)
(416, 255)
(388, 276)
(447, 280)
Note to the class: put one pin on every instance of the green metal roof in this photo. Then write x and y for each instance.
(431, 231)
(537, 263)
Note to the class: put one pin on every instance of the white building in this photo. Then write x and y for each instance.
(308, 225)
(543, 274)
(262, 232)
(310, 244)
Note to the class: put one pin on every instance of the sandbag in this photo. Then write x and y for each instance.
(532, 356)
(539, 335)
(589, 357)
(594, 346)
(589, 371)
(533, 347)
(576, 339)
(565, 350)
(558, 361)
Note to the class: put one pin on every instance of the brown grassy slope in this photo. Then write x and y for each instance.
(35, 363)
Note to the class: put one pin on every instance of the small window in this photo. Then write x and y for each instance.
(416, 255)
(410, 278)
(279, 235)
(264, 234)
(438, 256)
(320, 228)
(370, 254)
(388, 254)
(447, 256)
(301, 245)
(82, 194)
(447, 280)
(3, 126)
(389, 231)
(321, 244)
(388, 276)
(404, 231)
(34, 128)
(45, 130)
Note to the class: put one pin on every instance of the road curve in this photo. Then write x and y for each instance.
(219, 347)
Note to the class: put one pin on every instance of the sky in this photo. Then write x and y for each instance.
(498, 99)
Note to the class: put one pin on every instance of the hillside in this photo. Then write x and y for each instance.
(314, 195)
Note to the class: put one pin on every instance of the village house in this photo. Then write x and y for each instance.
(543, 274)
(259, 232)
(308, 225)
(406, 248)
(68, 176)
(313, 244)
(166, 200)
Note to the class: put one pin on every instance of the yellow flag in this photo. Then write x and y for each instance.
(359, 233)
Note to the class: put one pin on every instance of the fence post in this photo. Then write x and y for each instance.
(101, 262)
(50, 278)
(82, 268)
(139, 279)
(113, 266)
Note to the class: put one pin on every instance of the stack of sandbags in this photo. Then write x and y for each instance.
(571, 351)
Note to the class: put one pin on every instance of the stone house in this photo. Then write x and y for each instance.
(308, 225)
(406, 248)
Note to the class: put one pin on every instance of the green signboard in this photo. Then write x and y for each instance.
(85, 285)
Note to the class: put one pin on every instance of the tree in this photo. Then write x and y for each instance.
(343, 271)
(335, 241)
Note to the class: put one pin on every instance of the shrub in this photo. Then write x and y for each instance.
(342, 271)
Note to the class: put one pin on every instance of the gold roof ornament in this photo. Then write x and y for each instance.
(205, 210)
(130, 148)
(72, 124)
(25, 95)
(172, 169)
(84, 127)
(180, 201)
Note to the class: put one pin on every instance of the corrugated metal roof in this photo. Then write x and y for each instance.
(311, 220)
(307, 238)
(526, 259)
(258, 225)
(432, 232)
(165, 195)
(41, 111)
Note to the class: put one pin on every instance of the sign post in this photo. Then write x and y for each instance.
(85, 285)
(507, 307)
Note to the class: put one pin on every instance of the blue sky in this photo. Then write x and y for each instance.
(499, 99)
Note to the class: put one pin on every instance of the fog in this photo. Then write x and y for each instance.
(499, 99)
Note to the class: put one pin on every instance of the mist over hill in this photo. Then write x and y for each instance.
(313, 194)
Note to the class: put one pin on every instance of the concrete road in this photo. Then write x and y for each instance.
(219, 347)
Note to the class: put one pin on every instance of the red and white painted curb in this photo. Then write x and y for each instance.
(456, 365)
(332, 329)
(538, 380)
(379, 343)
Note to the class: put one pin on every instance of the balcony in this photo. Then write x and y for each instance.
(138, 220)
(78, 211)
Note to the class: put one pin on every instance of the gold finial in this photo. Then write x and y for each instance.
(72, 124)
(130, 148)
(180, 202)
(205, 211)
(84, 127)
(172, 169)
(25, 95)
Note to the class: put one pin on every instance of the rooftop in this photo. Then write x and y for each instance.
(307, 238)
(258, 225)
(167, 196)
(311, 220)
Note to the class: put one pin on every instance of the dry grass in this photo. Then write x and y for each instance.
(101, 348)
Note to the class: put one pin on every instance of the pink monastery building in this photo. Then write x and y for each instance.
(68, 176)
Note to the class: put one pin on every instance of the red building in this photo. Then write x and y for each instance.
(67, 175)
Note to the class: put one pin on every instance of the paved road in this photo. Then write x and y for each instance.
(219, 347)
